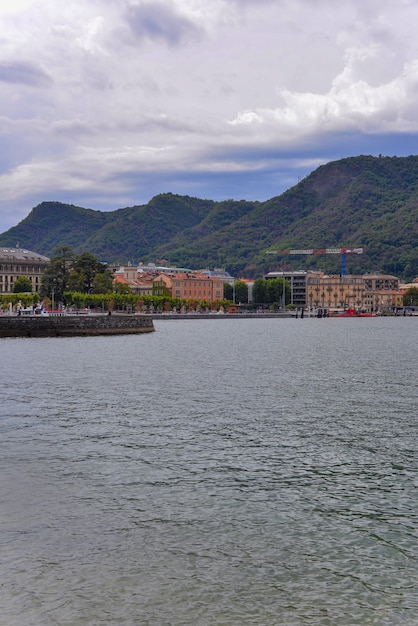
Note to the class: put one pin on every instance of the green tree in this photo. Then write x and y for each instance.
(274, 290)
(122, 288)
(76, 281)
(241, 292)
(55, 277)
(22, 284)
(410, 297)
(228, 291)
(69, 273)
(102, 282)
(85, 268)
(271, 291)
(259, 291)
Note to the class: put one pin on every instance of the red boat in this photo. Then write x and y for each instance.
(352, 313)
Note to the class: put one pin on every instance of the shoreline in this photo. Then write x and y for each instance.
(210, 316)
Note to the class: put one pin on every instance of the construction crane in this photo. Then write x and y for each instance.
(342, 251)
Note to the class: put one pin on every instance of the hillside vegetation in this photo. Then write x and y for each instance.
(363, 201)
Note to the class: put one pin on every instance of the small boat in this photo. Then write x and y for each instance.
(352, 313)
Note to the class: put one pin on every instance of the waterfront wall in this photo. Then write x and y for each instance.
(74, 325)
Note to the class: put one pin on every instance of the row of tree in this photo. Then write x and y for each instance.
(275, 291)
(141, 303)
(272, 291)
(68, 272)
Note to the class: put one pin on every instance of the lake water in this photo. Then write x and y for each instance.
(214, 473)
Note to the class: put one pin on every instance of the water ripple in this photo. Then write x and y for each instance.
(243, 472)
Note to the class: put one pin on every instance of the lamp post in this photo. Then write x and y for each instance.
(283, 293)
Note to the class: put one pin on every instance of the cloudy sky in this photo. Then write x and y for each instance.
(106, 103)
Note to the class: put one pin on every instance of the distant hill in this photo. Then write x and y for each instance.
(360, 201)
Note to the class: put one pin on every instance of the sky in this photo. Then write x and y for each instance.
(107, 103)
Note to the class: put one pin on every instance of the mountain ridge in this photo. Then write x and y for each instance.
(362, 201)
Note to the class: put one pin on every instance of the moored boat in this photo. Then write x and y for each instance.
(352, 313)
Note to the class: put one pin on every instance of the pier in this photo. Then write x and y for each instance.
(74, 325)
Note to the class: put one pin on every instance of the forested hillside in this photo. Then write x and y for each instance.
(360, 201)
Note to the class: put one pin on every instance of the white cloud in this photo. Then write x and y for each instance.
(95, 93)
(348, 103)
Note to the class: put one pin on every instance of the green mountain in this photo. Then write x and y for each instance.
(364, 201)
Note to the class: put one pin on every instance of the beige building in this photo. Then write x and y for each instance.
(15, 262)
(335, 292)
(138, 283)
(370, 292)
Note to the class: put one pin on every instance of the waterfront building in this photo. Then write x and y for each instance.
(138, 283)
(335, 291)
(382, 299)
(368, 292)
(15, 262)
(298, 284)
(152, 268)
(403, 287)
(218, 273)
(382, 292)
(382, 282)
(174, 282)
(189, 286)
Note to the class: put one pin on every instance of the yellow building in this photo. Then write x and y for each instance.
(381, 292)
(335, 292)
(370, 293)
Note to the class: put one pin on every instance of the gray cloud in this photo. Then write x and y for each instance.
(24, 74)
(157, 20)
(224, 98)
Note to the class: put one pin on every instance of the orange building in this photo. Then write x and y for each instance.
(189, 286)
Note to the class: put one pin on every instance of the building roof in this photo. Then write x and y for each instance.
(405, 286)
(21, 254)
(192, 276)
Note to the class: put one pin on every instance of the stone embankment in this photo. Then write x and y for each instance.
(74, 325)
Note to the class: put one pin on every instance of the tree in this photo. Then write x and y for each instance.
(271, 291)
(22, 284)
(102, 282)
(54, 279)
(410, 297)
(274, 290)
(68, 273)
(76, 281)
(122, 288)
(259, 291)
(241, 292)
(85, 268)
(228, 291)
